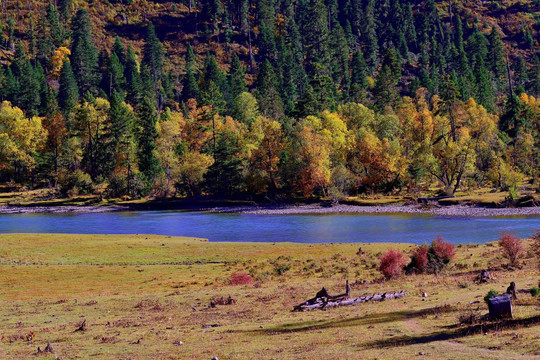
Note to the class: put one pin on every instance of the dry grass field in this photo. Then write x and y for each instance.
(148, 297)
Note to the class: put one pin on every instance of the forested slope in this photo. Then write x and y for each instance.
(283, 97)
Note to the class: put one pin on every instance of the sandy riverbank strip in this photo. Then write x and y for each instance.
(60, 209)
(454, 210)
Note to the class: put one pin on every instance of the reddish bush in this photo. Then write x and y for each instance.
(239, 278)
(421, 258)
(392, 263)
(511, 246)
(443, 250)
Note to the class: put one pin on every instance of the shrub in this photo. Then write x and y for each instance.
(443, 250)
(491, 294)
(535, 291)
(392, 263)
(511, 246)
(421, 258)
(240, 278)
(536, 245)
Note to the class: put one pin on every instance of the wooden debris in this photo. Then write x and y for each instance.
(323, 300)
(82, 327)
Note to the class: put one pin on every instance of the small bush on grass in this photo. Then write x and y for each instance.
(535, 291)
(392, 263)
(432, 259)
(511, 247)
(536, 245)
(240, 278)
(491, 294)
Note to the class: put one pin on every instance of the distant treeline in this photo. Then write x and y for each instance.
(347, 97)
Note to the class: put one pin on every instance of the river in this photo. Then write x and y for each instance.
(328, 228)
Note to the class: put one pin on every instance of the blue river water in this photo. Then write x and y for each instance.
(417, 228)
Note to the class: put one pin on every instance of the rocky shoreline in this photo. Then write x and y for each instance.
(453, 210)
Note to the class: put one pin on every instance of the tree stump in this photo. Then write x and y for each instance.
(500, 306)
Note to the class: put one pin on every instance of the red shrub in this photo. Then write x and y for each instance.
(392, 263)
(443, 250)
(511, 245)
(421, 258)
(239, 278)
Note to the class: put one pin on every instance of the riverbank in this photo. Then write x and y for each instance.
(453, 210)
(450, 210)
(147, 297)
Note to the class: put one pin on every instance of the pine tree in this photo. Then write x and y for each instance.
(57, 31)
(321, 93)
(358, 76)
(370, 35)
(65, 8)
(84, 58)
(114, 75)
(267, 44)
(268, 98)
(225, 174)
(522, 74)
(121, 123)
(153, 61)
(288, 73)
(133, 78)
(120, 51)
(146, 139)
(496, 54)
(237, 77)
(534, 77)
(68, 94)
(315, 33)
(28, 96)
(484, 92)
(385, 91)
(340, 58)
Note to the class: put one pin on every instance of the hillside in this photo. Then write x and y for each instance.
(335, 97)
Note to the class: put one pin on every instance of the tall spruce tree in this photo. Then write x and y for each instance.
(84, 56)
(153, 62)
(237, 77)
(68, 94)
(496, 56)
(146, 139)
(267, 94)
(133, 77)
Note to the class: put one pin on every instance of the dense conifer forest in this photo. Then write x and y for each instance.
(131, 98)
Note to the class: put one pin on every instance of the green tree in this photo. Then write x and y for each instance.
(496, 54)
(385, 91)
(146, 139)
(133, 77)
(84, 58)
(225, 174)
(237, 77)
(153, 62)
(68, 94)
(267, 94)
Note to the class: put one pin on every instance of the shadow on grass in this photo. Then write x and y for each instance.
(455, 334)
(371, 319)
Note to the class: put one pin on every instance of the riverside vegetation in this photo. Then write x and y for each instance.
(320, 98)
(145, 296)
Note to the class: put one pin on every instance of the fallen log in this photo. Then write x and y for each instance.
(323, 300)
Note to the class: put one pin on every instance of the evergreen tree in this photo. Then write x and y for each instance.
(339, 64)
(267, 94)
(146, 139)
(225, 174)
(496, 54)
(267, 44)
(84, 58)
(65, 8)
(321, 93)
(534, 77)
(119, 50)
(57, 33)
(133, 78)
(522, 74)
(114, 75)
(484, 92)
(28, 96)
(385, 91)
(153, 61)
(288, 73)
(68, 94)
(315, 33)
(237, 77)
(358, 76)
(190, 88)
(370, 35)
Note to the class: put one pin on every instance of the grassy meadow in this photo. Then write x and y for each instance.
(147, 297)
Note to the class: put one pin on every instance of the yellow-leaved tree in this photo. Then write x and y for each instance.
(20, 138)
